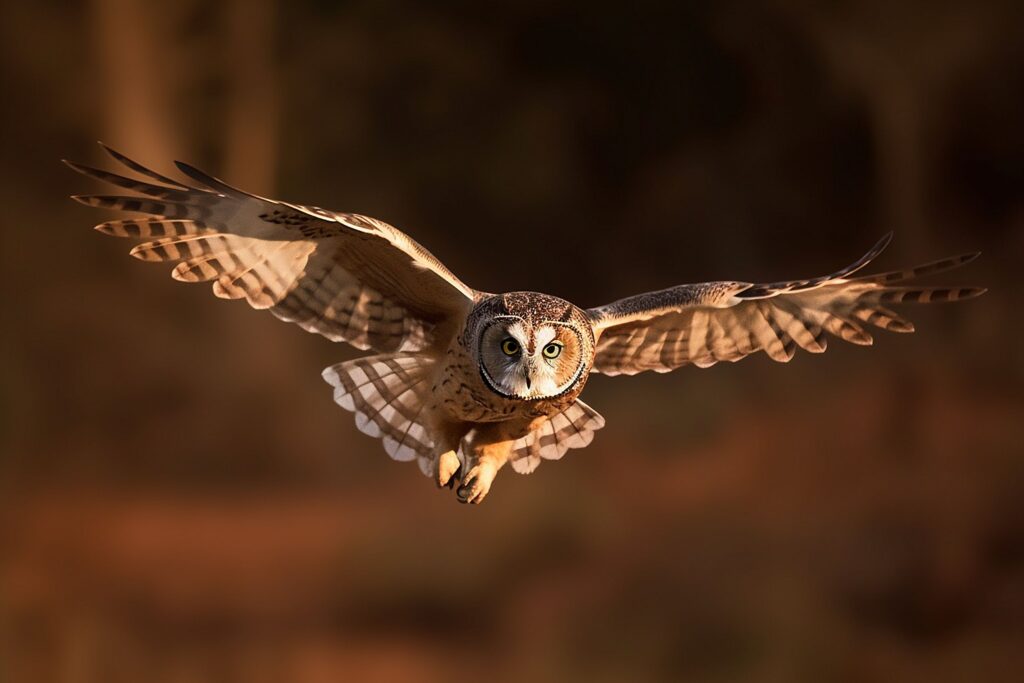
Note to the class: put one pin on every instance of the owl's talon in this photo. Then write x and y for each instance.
(477, 483)
(454, 479)
(464, 493)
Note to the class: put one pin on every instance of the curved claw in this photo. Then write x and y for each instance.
(476, 484)
(455, 478)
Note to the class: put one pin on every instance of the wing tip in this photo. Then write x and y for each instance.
(78, 168)
(84, 169)
(111, 151)
(215, 184)
(972, 292)
(86, 199)
(125, 160)
(185, 167)
(884, 242)
(143, 252)
(962, 259)
(191, 171)
(108, 228)
(872, 253)
(118, 156)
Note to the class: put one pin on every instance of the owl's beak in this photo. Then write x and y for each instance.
(527, 372)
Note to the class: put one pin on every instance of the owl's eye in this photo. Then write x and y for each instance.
(510, 347)
(552, 350)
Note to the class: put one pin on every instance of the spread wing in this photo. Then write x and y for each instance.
(710, 322)
(348, 277)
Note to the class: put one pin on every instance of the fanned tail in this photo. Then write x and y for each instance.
(388, 393)
(574, 427)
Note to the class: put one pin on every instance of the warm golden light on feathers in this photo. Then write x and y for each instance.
(464, 381)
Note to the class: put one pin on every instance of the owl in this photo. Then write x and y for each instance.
(462, 381)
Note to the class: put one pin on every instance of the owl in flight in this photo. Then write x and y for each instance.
(463, 381)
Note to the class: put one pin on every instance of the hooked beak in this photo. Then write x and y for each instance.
(527, 374)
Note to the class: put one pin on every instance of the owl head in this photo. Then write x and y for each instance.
(533, 346)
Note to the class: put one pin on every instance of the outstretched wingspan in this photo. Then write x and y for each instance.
(348, 277)
(702, 324)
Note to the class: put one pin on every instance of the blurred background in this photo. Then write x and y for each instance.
(180, 500)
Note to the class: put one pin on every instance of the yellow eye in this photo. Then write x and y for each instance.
(510, 347)
(552, 350)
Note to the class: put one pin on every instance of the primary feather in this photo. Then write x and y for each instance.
(702, 324)
(342, 275)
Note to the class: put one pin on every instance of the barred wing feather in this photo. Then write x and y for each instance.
(703, 324)
(342, 275)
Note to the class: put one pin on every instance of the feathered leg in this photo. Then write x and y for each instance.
(447, 465)
(490, 449)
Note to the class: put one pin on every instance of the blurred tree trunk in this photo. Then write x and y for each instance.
(253, 108)
(900, 58)
(251, 130)
(140, 74)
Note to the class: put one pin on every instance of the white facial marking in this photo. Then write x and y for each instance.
(517, 331)
(526, 372)
(543, 335)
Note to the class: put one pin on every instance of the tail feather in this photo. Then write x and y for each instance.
(574, 427)
(388, 393)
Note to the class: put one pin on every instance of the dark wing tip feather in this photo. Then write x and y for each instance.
(957, 293)
(957, 261)
(864, 260)
(928, 295)
(930, 268)
(768, 290)
(158, 191)
(867, 258)
(215, 184)
(139, 168)
(87, 199)
(83, 169)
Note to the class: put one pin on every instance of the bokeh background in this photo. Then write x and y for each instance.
(181, 501)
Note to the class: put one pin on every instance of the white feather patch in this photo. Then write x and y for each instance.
(387, 394)
(574, 427)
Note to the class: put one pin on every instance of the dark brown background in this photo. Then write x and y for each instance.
(180, 500)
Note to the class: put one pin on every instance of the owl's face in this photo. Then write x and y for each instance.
(531, 360)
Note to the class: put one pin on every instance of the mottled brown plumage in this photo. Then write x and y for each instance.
(464, 381)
